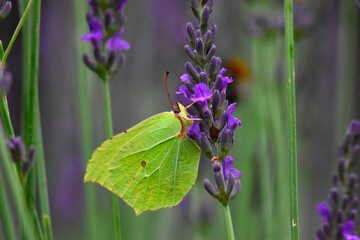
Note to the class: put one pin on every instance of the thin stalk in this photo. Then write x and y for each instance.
(289, 36)
(6, 218)
(17, 30)
(229, 225)
(84, 87)
(34, 127)
(109, 134)
(16, 190)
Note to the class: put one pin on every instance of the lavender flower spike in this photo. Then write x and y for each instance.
(339, 214)
(106, 28)
(204, 85)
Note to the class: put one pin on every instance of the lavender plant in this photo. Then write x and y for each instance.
(5, 8)
(204, 85)
(340, 211)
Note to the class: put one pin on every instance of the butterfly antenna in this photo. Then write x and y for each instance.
(175, 107)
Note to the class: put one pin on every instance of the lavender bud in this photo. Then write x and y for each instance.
(320, 234)
(219, 178)
(214, 66)
(235, 190)
(205, 145)
(220, 124)
(345, 202)
(339, 234)
(111, 59)
(28, 161)
(207, 116)
(229, 183)
(355, 127)
(355, 155)
(195, 8)
(194, 4)
(352, 182)
(203, 78)
(210, 188)
(216, 102)
(199, 46)
(340, 216)
(107, 19)
(217, 83)
(354, 202)
(210, 53)
(5, 82)
(190, 52)
(334, 197)
(192, 71)
(190, 87)
(226, 139)
(97, 55)
(198, 33)
(208, 38)
(191, 31)
(5, 10)
(352, 215)
(90, 64)
(17, 149)
(204, 19)
(213, 28)
(335, 180)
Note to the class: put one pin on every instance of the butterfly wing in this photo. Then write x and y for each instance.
(148, 166)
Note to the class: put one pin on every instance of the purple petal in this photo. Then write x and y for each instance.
(232, 121)
(185, 78)
(95, 34)
(228, 167)
(117, 43)
(183, 89)
(202, 93)
(224, 82)
(222, 71)
(194, 130)
(348, 230)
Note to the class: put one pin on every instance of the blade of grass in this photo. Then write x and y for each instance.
(34, 127)
(289, 37)
(16, 190)
(6, 218)
(84, 85)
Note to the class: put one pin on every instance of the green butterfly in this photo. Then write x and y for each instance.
(150, 166)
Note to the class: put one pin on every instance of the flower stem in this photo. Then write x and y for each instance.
(17, 30)
(289, 36)
(229, 225)
(109, 134)
(83, 75)
(34, 128)
(6, 218)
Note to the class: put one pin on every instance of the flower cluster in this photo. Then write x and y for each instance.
(5, 8)
(5, 82)
(204, 86)
(19, 155)
(339, 214)
(106, 25)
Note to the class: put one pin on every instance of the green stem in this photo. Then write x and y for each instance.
(6, 217)
(17, 30)
(34, 127)
(83, 75)
(5, 114)
(229, 225)
(109, 134)
(16, 190)
(289, 35)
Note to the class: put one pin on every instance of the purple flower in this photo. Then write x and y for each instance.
(95, 34)
(324, 211)
(348, 231)
(224, 80)
(194, 130)
(117, 43)
(232, 121)
(228, 167)
(183, 89)
(185, 78)
(202, 94)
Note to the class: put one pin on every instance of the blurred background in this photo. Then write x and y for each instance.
(250, 41)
